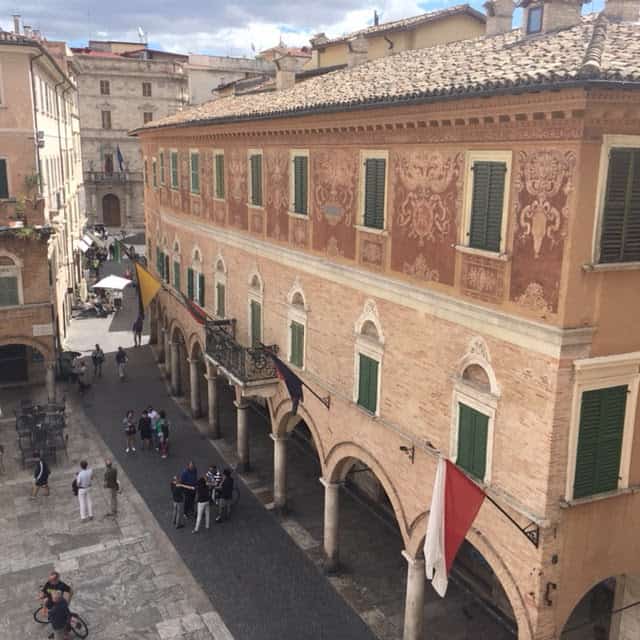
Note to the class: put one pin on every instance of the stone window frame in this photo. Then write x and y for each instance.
(609, 141)
(13, 271)
(372, 154)
(220, 276)
(102, 119)
(371, 348)
(463, 240)
(163, 166)
(297, 313)
(218, 152)
(293, 154)
(7, 165)
(250, 154)
(195, 152)
(595, 373)
(154, 172)
(176, 256)
(175, 187)
(535, 8)
(145, 84)
(197, 266)
(255, 294)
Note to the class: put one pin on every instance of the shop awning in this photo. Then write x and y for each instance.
(112, 282)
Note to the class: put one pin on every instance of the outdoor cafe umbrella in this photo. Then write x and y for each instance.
(112, 282)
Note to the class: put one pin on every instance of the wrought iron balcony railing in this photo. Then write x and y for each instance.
(246, 364)
(113, 177)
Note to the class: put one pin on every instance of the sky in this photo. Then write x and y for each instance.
(210, 26)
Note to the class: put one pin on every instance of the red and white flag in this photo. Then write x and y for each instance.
(455, 503)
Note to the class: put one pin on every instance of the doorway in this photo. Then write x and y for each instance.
(111, 210)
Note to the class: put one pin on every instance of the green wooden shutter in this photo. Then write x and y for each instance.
(297, 344)
(176, 275)
(374, 194)
(256, 323)
(158, 260)
(4, 179)
(161, 168)
(599, 451)
(220, 176)
(195, 173)
(473, 428)
(190, 283)
(620, 237)
(256, 180)
(220, 310)
(300, 184)
(201, 289)
(368, 383)
(486, 205)
(167, 271)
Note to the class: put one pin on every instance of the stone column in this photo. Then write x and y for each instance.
(331, 512)
(195, 388)
(279, 471)
(167, 354)
(175, 369)
(50, 381)
(161, 345)
(212, 392)
(242, 407)
(414, 600)
(153, 325)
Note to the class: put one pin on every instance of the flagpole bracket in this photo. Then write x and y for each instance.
(532, 531)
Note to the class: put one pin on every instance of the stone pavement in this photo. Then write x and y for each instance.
(130, 583)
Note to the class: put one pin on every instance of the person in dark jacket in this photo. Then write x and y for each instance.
(203, 496)
(177, 493)
(137, 331)
(59, 616)
(144, 427)
(225, 496)
(40, 476)
(188, 480)
(112, 485)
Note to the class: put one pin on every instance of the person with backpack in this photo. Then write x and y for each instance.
(121, 361)
(163, 433)
(97, 357)
(129, 425)
(40, 476)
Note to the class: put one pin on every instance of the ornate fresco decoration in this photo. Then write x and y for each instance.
(299, 233)
(372, 252)
(369, 314)
(176, 201)
(483, 278)
(426, 206)
(420, 269)
(533, 299)
(478, 349)
(478, 354)
(276, 164)
(335, 176)
(333, 249)
(237, 178)
(195, 207)
(185, 172)
(219, 212)
(543, 175)
(256, 223)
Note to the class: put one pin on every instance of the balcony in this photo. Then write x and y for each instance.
(23, 211)
(116, 177)
(243, 366)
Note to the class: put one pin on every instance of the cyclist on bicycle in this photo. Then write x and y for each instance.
(59, 617)
(55, 585)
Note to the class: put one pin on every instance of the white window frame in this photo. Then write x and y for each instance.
(373, 154)
(250, 154)
(171, 152)
(197, 193)
(299, 314)
(220, 277)
(218, 152)
(14, 271)
(608, 142)
(293, 154)
(601, 373)
(485, 156)
(255, 295)
(7, 164)
(196, 267)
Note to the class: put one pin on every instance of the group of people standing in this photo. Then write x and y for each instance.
(153, 427)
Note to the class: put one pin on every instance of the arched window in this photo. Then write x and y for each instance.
(369, 350)
(10, 281)
(195, 278)
(255, 308)
(176, 265)
(297, 321)
(221, 287)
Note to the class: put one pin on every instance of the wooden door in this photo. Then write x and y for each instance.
(111, 211)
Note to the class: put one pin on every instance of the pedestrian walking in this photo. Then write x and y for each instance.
(137, 331)
(129, 425)
(112, 485)
(154, 416)
(144, 427)
(203, 497)
(83, 383)
(121, 362)
(83, 479)
(177, 494)
(112, 252)
(188, 479)
(97, 358)
(40, 476)
(225, 497)
(163, 434)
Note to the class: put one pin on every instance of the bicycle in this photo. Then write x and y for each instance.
(77, 625)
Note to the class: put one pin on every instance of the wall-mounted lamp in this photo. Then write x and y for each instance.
(409, 451)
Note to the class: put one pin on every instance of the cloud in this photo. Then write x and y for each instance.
(207, 26)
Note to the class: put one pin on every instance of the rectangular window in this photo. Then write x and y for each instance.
(200, 293)
(602, 414)
(534, 20)
(620, 234)
(174, 169)
(154, 173)
(297, 344)
(374, 192)
(300, 184)
(159, 262)
(256, 180)
(220, 294)
(147, 116)
(368, 383)
(176, 275)
(256, 323)
(105, 88)
(487, 203)
(195, 172)
(167, 272)
(473, 428)
(4, 179)
(146, 173)
(106, 119)
(9, 291)
(146, 89)
(190, 284)
(219, 175)
(162, 167)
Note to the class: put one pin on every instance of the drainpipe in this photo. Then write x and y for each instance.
(35, 117)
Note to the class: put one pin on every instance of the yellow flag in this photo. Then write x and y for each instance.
(149, 285)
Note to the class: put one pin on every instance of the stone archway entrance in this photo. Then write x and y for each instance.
(198, 382)
(180, 382)
(111, 211)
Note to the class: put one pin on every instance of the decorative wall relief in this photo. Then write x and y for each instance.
(238, 189)
(372, 252)
(543, 184)
(299, 233)
(426, 199)
(482, 278)
(334, 201)
(257, 225)
(277, 195)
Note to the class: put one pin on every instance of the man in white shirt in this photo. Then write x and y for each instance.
(84, 477)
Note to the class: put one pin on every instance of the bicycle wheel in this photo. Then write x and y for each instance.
(78, 626)
(235, 496)
(41, 615)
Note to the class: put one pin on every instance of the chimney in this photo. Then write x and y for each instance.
(16, 23)
(541, 16)
(27, 30)
(358, 51)
(286, 67)
(625, 10)
(376, 18)
(499, 16)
